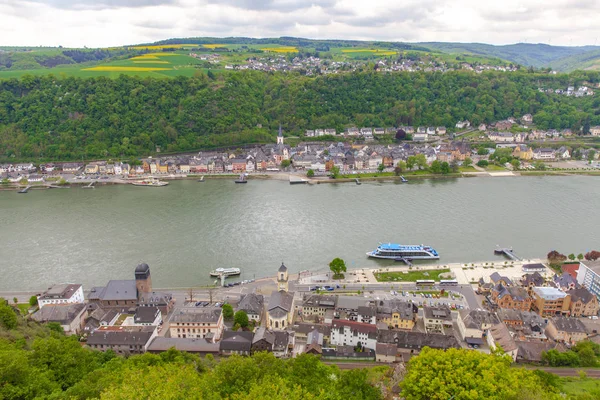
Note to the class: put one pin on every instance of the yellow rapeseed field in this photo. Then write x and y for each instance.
(213, 46)
(151, 62)
(283, 49)
(162, 54)
(125, 69)
(381, 52)
(145, 57)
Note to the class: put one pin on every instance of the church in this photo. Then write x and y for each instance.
(280, 309)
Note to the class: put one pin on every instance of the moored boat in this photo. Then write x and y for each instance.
(150, 182)
(225, 272)
(393, 251)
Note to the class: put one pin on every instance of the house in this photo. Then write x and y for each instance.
(595, 130)
(503, 137)
(117, 293)
(91, 169)
(463, 124)
(496, 279)
(379, 131)
(521, 137)
(482, 127)
(431, 130)
(239, 342)
(280, 343)
(238, 165)
(525, 324)
(565, 282)
(348, 353)
(503, 125)
(352, 132)
(536, 267)
(62, 294)
(567, 330)
(149, 316)
(315, 342)
(302, 330)
(583, 303)
(367, 315)
(71, 167)
(530, 352)
(122, 340)
(441, 130)
(253, 305)
(544, 154)
(472, 324)
(189, 345)
(436, 318)
(420, 137)
(499, 336)
(511, 297)
(205, 323)
(529, 281)
(550, 301)
(316, 304)
(309, 133)
(523, 152)
(280, 310)
(527, 119)
(350, 333)
(410, 344)
(397, 314)
(366, 132)
(386, 352)
(563, 152)
(70, 316)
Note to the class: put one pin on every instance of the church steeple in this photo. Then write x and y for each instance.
(282, 278)
(280, 136)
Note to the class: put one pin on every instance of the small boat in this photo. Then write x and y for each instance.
(241, 179)
(150, 183)
(201, 179)
(225, 272)
(358, 182)
(403, 179)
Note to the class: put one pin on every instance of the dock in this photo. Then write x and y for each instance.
(507, 253)
(295, 180)
(90, 186)
(24, 190)
(404, 260)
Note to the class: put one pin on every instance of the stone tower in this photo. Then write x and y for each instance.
(143, 281)
(282, 278)
(280, 136)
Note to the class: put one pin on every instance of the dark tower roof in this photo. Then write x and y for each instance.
(283, 268)
(142, 269)
(280, 134)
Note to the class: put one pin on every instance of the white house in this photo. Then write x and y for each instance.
(350, 333)
(62, 294)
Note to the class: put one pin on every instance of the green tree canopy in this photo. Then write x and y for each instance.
(337, 266)
(227, 311)
(241, 318)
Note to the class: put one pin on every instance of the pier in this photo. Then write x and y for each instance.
(295, 180)
(507, 253)
(24, 190)
(90, 186)
(404, 260)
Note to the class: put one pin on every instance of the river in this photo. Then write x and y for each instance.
(188, 228)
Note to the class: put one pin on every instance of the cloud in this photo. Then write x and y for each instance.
(100, 23)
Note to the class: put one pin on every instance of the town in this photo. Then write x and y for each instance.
(357, 150)
(383, 315)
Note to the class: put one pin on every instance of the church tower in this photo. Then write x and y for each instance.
(143, 281)
(280, 136)
(282, 278)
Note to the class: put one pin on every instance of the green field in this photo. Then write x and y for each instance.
(410, 276)
(578, 386)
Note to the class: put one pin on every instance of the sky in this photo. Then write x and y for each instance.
(104, 23)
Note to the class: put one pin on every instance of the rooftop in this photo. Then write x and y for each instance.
(190, 345)
(61, 313)
(568, 324)
(63, 291)
(197, 315)
(549, 293)
(121, 336)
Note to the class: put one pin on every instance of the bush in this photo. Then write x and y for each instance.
(482, 163)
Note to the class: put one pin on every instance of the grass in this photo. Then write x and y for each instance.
(24, 308)
(493, 167)
(432, 292)
(410, 276)
(467, 169)
(122, 319)
(577, 386)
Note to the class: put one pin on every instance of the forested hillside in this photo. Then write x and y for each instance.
(74, 118)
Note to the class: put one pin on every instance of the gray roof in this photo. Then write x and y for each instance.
(142, 269)
(568, 324)
(581, 294)
(61, 313)
(404, 308)
(280, 303)
(367, 311)
(565, 280)
(252, 303)
(197, 315)
(440, 312)
(282, 268)
(306, 328)
(191, 345)
(386, 349)
(474, 319)
(502, 337)
(417, 340)
(351, 302)
(145, 315)
(532, 351)
(319, 300)
(117, 290)
(155, 298)
(121, 336)
(63, 291)
(236, 341)
(534, 279)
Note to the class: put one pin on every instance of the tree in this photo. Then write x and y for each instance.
(539, 165)
(285, 163)
(400, 167)
(411, 161)
(555, 259)
(400, 134)
(380, 167)
(334, 172)
(436, 167)
(482, 151)
(590, 155)
(482, 163)
(33, 301)
(580, 256)
(15, 300)
(516, 164)
(338, 267)
(445, 168)
(467, 162)
(421, 161)
(592, 255)
(310, 173)
(8, 317)
(571, 256)
(190, 294)
(227, 311)
(241, 318)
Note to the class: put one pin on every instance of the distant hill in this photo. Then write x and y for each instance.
(562, 58)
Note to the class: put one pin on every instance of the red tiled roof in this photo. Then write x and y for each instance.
(571, 269)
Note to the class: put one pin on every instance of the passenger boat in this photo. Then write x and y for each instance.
(149, 182)
(225, 272)
(393, 251)
(241, 179)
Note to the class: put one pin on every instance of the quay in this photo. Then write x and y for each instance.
(24, 190)
(508, 253)
(90, 186)
(295, 180)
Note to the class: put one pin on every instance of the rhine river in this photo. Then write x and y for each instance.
(187, 228)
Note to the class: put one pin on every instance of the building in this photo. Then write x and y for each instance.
(282, 278)
(122, 340)
(583, 303)
(149, 316)
(70, 316)
(280, 310)
(499, 336)
(348, 353)
(204, 323)
(549, 301)
(397, 314)
(474, 323)
(253, 305)
(367, 315)
(317, 304)
(350, 333)
(567, 330)
(511, 297)
(236, 343)
(302, 330)
(61, 294)
(588, 276)
(436, 318)
(530, 352)
(280, 343)
(189, 345)
(410, 344)
(524, 324)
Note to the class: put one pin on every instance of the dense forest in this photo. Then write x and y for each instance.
(73, 118)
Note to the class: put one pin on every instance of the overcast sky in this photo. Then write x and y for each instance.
(101, 23)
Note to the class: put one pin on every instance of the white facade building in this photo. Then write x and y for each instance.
(62, 294)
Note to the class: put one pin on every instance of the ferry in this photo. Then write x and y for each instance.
(241, 179)
(149, 182)
(395, 251)
(225, 272)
